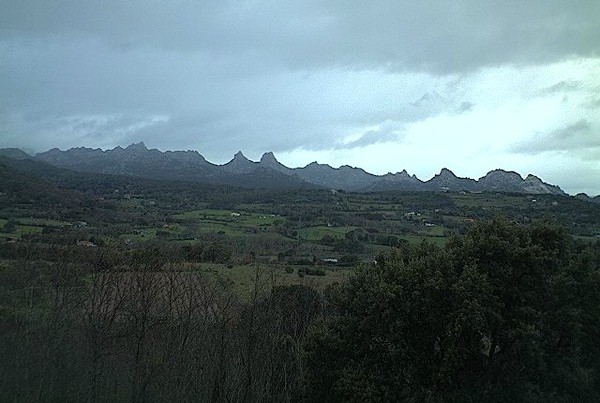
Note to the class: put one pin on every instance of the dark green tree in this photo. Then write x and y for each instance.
(10, 226)
(502, 314)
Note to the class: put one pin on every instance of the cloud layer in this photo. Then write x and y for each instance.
(472, 85)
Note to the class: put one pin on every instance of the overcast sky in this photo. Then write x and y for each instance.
(469, 85)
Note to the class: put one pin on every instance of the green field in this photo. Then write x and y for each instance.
(243, 280)
(318, 232)
(416, 239)
(21, 227)
(227, 215)
(491, 200)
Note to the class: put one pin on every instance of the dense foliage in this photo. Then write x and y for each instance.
(505, 313)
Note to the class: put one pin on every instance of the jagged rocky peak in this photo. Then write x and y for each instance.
(350, 168)
(137, 147)
(315, 164)
(533, 184)
(240, 164)
(446, 173)
(239, 156)
(401, 176)
(83, 152)
(447, 180)
(499, 179)
(268, 158)
(190, 156)
(240, 160)
(532, 178)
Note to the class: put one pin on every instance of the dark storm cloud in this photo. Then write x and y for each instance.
(576, 136)
(439, 35)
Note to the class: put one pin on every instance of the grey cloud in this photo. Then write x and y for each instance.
(214, 106)
(223, 75)
(439, 36)
(465, 106)
(390, 131)
(428, 99)
(218, 137)
(577, 136)
(39, 133)
(435, 102)
(423, 100)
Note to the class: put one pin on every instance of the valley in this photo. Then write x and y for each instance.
(136, 289)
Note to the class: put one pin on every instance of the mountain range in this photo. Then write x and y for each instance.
(138, 161)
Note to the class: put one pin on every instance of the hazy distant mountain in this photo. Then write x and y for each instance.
(585, 197)
(446, 180)
(400, 180)
(509, 181)
(240, 164)
(269, 160)
(499, 180)
(17, 185)
(137, 160)
(344, 177)
(14, 153)
(533, 184)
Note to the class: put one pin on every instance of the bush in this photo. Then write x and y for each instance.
(310, 271)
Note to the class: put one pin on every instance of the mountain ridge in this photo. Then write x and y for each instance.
(137, 160)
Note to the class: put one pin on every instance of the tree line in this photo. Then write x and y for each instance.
(503, 313)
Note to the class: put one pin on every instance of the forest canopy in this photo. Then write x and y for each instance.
(505, 313)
